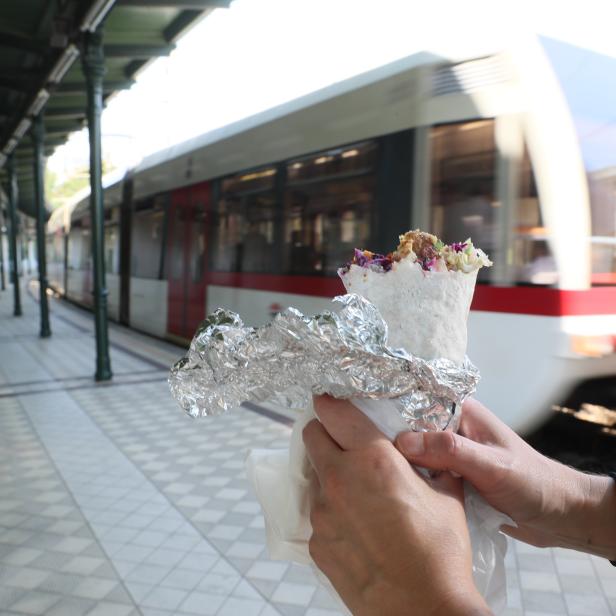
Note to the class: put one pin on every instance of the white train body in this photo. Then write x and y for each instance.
(256, 216)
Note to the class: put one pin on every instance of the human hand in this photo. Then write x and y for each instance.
(390, 541)
(552, 504)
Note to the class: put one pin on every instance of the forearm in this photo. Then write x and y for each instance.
(589, 523)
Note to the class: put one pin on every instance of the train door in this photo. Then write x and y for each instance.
(187, 254)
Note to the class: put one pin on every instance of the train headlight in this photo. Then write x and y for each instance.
(592, 346)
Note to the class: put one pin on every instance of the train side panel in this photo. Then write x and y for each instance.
(148, 305)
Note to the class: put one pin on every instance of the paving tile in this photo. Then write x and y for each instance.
(586, 605)
(536, 580)
(148, 574)
(164, 598)
(27, 577)
(583, 584)
(83, 565)
(22, 556)
(185, 579)
(201, 603)
(536, 562)
(94, 588)
(35, 602)
(247, 607)
(71, 606)
(550, 602)
(60, 583)
(295, 594)
(9, 595)
(109, 608)
(268, 570)
(574, 566)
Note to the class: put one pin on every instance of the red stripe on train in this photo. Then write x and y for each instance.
(516, 300)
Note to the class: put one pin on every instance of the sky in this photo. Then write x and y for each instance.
(261, 53)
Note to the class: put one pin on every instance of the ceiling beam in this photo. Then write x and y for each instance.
(197, 5)
(77, 89)
(137, 51)
(22, 43)
(54, 141)
(64, 113)
(62, 130)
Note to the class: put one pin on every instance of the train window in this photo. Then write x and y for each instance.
(328, 208)
(243, 223)
(533, 262)
(178, 241)
(79, 249)
(112, 250)
(602, 188)
(462, 184)
(147, 242)
(348, 160)
(197, 255)
(321, 232)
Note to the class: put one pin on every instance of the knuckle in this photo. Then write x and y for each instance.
(447, 444)
(379, 459)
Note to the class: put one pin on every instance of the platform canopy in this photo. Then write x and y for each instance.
(39, 64)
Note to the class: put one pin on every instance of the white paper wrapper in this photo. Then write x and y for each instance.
(280, 479)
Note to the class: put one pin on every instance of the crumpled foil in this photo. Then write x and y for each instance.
(344, 354)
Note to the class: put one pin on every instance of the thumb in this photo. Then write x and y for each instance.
(446, 451)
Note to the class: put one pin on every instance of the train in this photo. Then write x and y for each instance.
(509, 148)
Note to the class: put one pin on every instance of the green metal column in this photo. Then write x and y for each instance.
(93, 65)
(38, 134)
(12, 196)
(2, 280)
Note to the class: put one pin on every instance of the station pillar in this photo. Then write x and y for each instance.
(2, 278)
(38, 134)
(93, 65)
(12, 197)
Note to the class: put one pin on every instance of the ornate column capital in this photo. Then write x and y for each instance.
(92, 56)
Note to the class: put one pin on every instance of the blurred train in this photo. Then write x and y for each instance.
(516, 149)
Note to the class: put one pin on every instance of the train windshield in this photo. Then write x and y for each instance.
(588, 81)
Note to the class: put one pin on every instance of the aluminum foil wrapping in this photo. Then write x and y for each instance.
(344, 354)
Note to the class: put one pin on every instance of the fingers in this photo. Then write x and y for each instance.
(346, 424)
(477, 463)
(481, 425)
(321, 449)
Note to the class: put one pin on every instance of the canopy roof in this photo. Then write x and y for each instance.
(39, 64)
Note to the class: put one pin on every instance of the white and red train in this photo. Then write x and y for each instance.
(516, 149)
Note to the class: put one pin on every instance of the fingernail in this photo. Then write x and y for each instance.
(411, 443)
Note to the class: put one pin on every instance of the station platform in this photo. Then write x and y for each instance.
(115, 503)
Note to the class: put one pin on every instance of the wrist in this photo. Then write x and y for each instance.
(588, 521)
(463, 602)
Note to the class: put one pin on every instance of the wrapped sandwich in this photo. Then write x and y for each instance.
(396, 349)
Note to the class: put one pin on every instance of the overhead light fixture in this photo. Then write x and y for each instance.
(65, 61)
(350, 153)
(39, 102)
(98, 11)
(22, 128)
